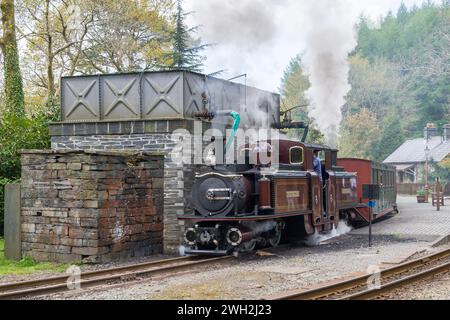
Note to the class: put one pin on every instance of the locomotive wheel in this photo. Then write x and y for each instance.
(248, 246)
(276, 239)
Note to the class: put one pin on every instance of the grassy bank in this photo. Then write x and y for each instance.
(26, 265)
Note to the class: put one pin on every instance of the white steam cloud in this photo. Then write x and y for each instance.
(330, 38)
(260, 37)
(239, 31)
(316, 238)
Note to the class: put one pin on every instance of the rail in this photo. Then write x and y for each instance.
(357, 287)
(95, 278)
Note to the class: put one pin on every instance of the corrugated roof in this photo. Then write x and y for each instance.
(413, 151)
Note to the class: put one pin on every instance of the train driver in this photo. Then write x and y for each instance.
(317, 164)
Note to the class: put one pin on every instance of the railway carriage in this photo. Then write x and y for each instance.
(239, 207)
(370, 172)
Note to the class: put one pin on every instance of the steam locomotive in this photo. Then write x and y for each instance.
(239, 207)
(260, 203)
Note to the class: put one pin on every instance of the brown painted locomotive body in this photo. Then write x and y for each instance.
(237, 207)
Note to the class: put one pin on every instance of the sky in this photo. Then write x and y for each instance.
(260, 37)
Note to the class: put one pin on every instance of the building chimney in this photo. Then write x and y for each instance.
(447, 132)
(430, 131)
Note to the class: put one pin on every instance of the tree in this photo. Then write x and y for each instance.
(376, 86)
(402, 13)
(128, 36)
(14, 94)
(56, 32)
(294, 85)
(400, 72)
(70, 37)
(441, 170)
(390, 139)
(358, 135)
(185, 50)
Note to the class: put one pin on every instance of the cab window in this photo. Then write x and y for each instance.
(296, 155)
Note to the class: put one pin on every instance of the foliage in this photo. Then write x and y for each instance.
(70, 37)
(441, 170)
(128, 36)
(17, 133)
(185, 50)
(362, 125)
(294, 84)
(400, 71)
(375, 86)
(55, 32)
(389, 138)
(445, 164)
(25, 266)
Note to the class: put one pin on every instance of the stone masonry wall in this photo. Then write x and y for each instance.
(174, 198)
(91, 206)
(151, 136)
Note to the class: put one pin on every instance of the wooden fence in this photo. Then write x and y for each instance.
(412, 188)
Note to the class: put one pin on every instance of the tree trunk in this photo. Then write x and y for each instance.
(50, 57)
(14, 96)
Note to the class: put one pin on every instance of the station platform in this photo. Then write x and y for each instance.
(415, 221)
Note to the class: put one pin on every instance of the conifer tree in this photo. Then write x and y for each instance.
(186, 50)
(402, 13)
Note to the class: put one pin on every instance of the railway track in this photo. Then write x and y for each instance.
(357, 288)
(107, 276)
(164, 267)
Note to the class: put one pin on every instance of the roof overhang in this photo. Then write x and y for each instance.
(404, 167)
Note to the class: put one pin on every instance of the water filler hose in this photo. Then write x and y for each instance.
(236, 122)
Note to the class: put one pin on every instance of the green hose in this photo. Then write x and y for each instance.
(237, 120)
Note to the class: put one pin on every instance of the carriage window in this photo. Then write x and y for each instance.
(296, 155)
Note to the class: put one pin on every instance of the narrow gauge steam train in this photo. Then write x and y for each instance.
(239, 207)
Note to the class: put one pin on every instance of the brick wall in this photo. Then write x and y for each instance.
(92, 206)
